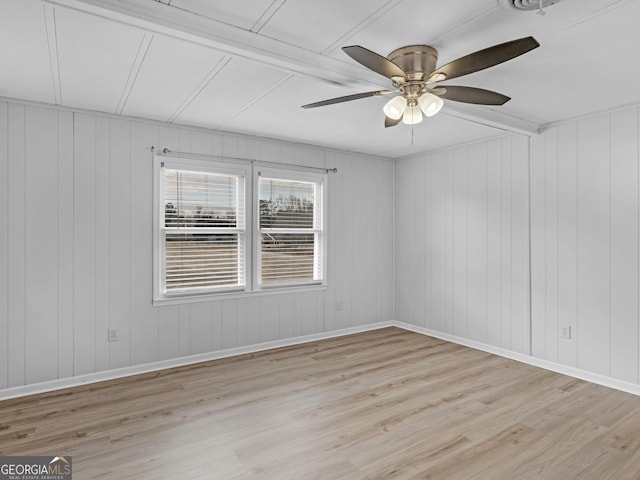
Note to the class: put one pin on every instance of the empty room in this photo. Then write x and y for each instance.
(319, 239)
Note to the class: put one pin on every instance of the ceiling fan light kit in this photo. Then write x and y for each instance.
(430, 104)
(412, 115)
(412, 71)
(395, 107)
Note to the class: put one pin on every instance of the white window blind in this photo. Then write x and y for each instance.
(203, 244)
(290, 231)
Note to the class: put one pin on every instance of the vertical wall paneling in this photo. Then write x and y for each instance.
(585, 236)
(551, 246)
(494, 242)
(624, 245)
(460, 242)
(184, 334)
(41, 245)
(308, 311)
(65, 225)
(217, 326)
(291, 316)
(241, 323)
(4, 245)
(16, 193)
(333, 246)
(253, 320)
(403, 232)
(347, 241)
(94, 173)
(84, 242)
(319, 311)
(520, 240)
(427, 218)
(385, 214)
(103, 242)
(507, 242)
(269, 313)
(369, 279)
(594, 229)
(474, 245)
(448, 205)
(418, 240)
(201, 327)
(168, 332)
(144, 318)
(567, 242)
(477, 242)
(538, 170)
(359, 248)
(230, 323)
(120, 241)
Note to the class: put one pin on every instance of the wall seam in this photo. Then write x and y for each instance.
(530, 301)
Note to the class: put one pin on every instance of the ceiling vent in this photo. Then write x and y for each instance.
(525, 5)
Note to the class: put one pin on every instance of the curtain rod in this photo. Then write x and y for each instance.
(168, 153)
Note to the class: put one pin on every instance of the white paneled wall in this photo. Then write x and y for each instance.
(462, 242)
(585, 241)
(76, 236)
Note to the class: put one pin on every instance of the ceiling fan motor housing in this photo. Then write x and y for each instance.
(417, 61)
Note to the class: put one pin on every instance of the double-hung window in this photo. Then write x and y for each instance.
(226, 228)
(201, 239)
(290, 231)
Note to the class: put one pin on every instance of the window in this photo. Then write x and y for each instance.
(201, 240)
(208, 241)
(290, 229)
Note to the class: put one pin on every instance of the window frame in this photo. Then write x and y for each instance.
(248, 173)
(242, 229)
(319, 221)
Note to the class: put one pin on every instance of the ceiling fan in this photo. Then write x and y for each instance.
(412, 71)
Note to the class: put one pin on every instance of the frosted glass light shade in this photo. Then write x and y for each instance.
(395, 107)
(430, 104)
(412, 115)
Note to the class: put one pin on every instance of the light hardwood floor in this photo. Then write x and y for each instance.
(376, 405)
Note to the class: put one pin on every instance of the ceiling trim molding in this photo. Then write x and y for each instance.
(52, 45)
(491, 118)
(160, 18)
(164, 19)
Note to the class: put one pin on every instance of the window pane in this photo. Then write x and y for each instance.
(196, 199)
(287, 258)
(201, 260)
(286, 203)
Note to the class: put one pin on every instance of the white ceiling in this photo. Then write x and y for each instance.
(248, 65)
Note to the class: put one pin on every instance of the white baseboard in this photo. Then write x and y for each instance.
(528, 359)
(59, 384)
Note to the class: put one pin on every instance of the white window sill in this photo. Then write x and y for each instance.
(209, 297)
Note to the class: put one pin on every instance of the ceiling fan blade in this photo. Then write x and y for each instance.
(347, 98)
(482, 59)
(478, 96)
(375, 62)
(390, 122)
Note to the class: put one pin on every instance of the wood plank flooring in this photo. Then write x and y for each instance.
(376, 405)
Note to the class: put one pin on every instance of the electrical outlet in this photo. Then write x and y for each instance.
(338, 305)
(112, 335)
(565, 332)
